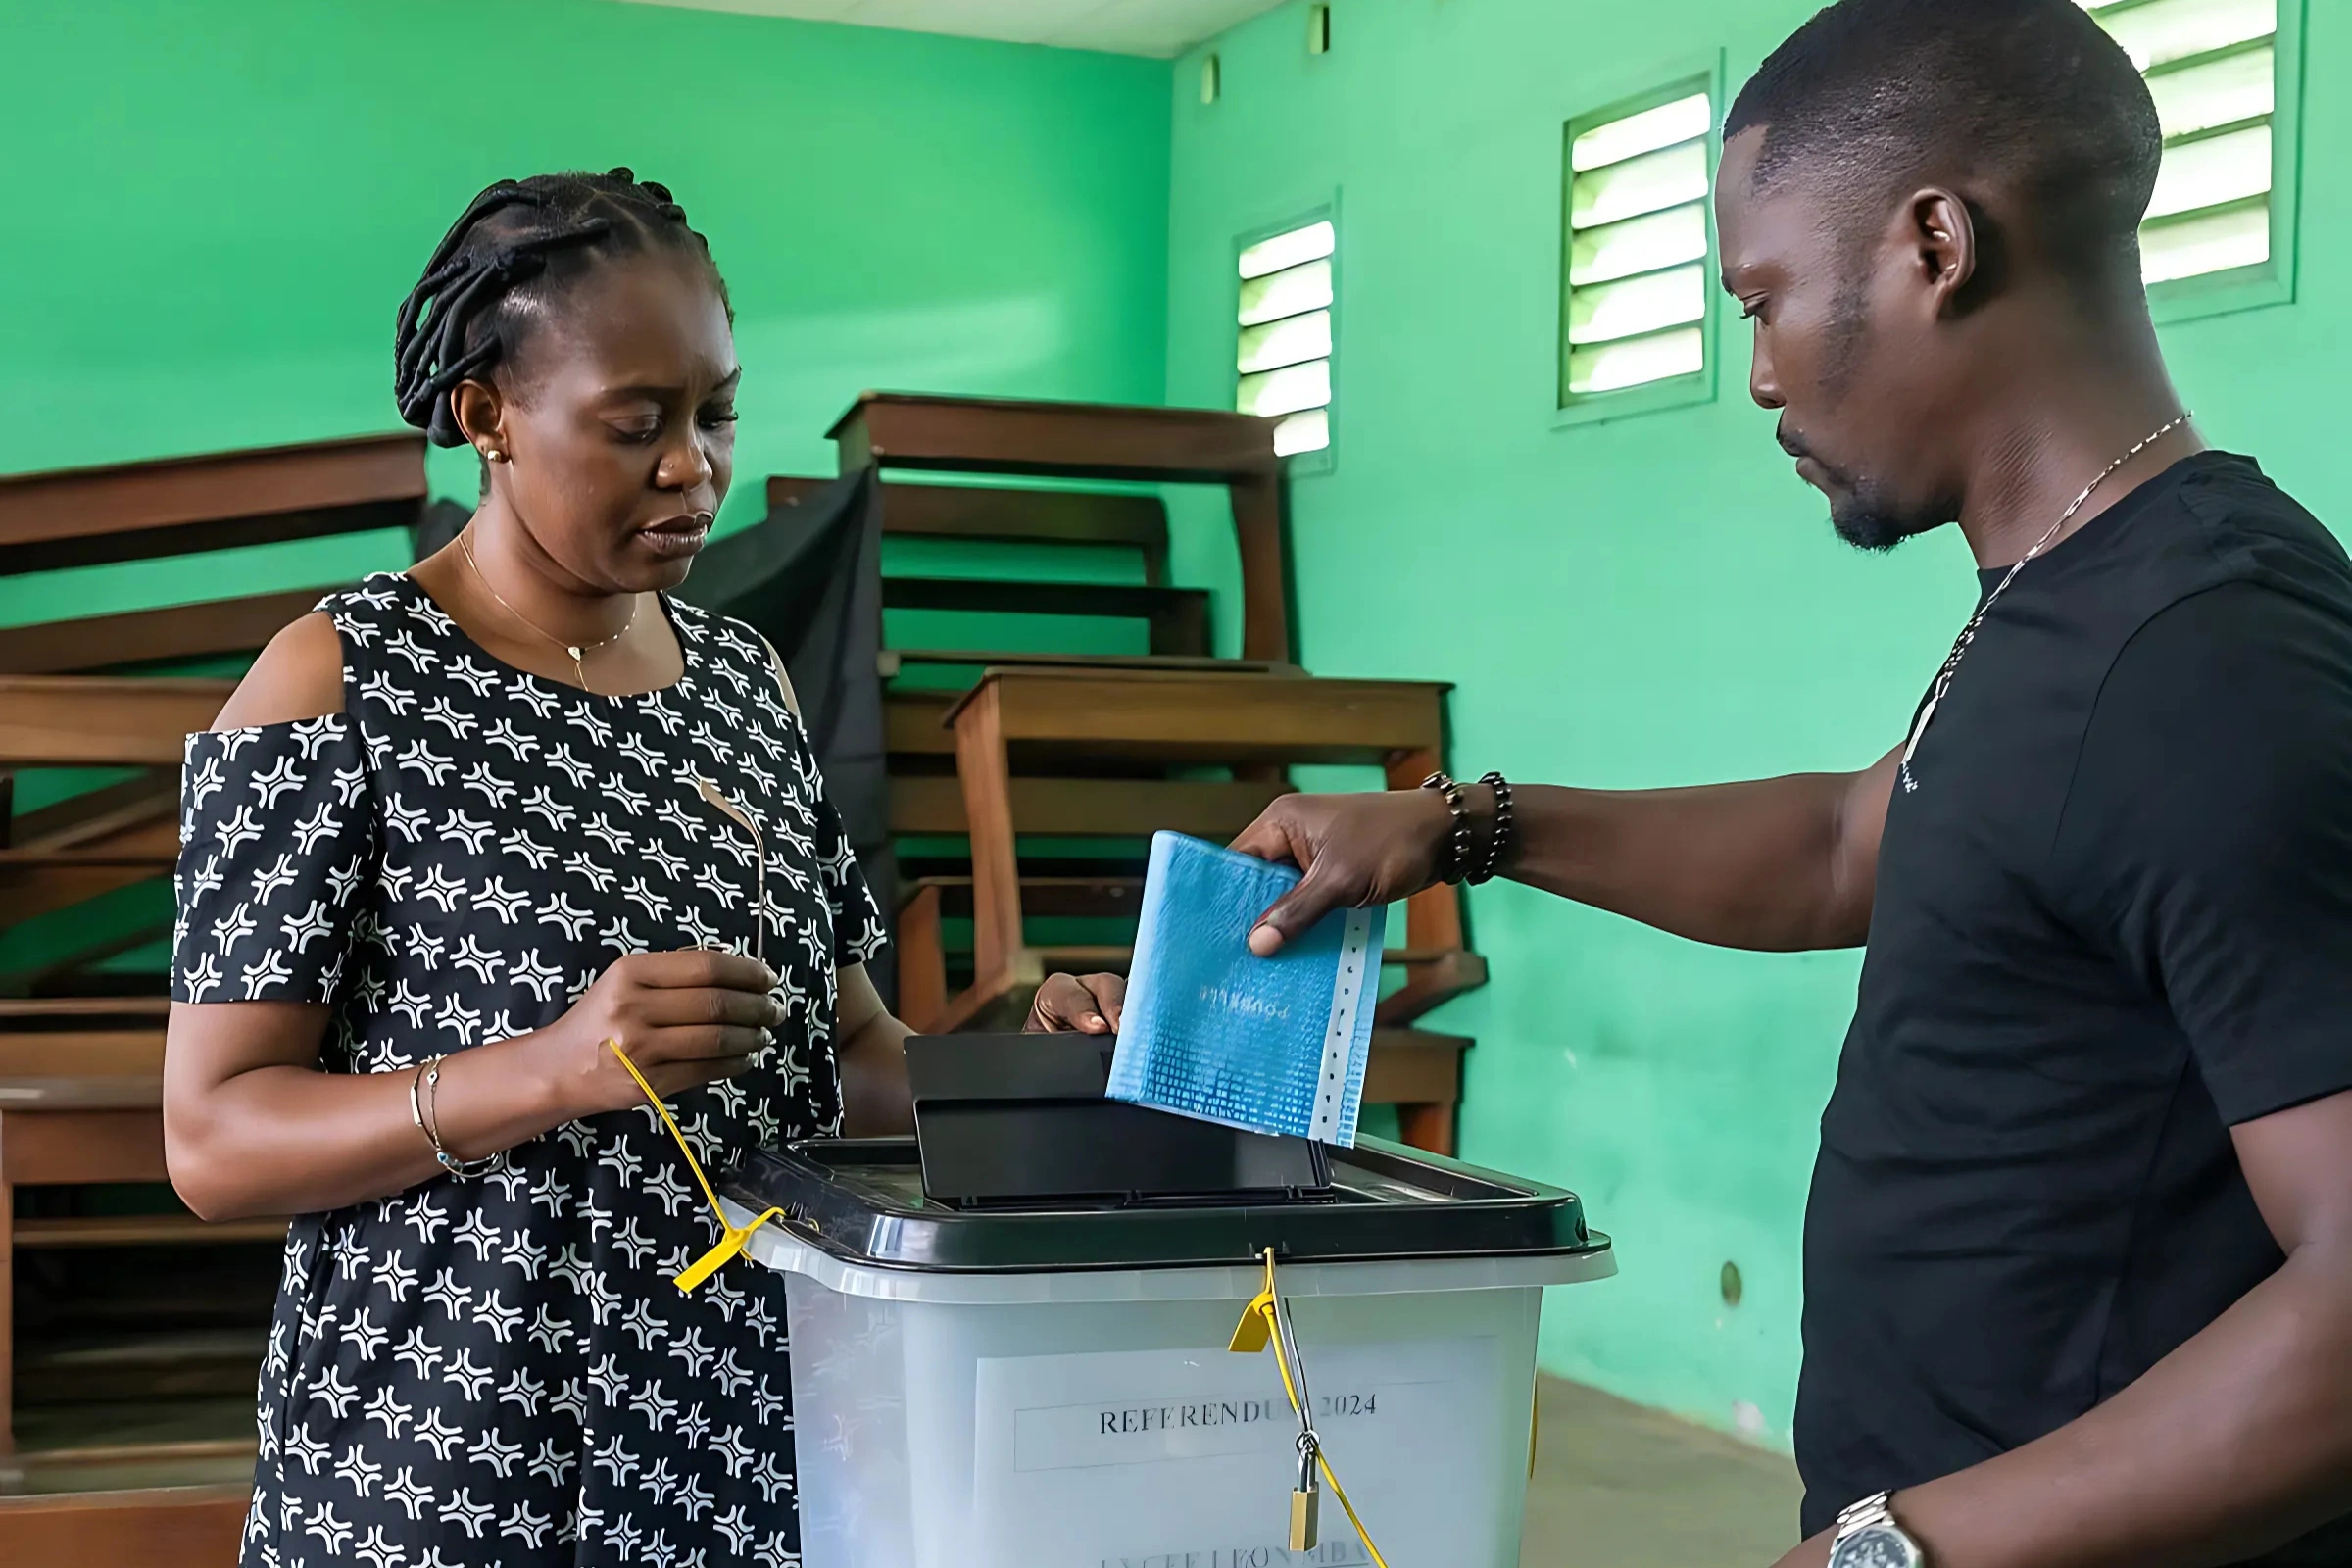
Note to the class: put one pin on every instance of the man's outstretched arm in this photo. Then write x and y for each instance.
(1777, 864)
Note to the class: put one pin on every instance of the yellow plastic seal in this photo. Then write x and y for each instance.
(731, 1237)
(1261, 1326)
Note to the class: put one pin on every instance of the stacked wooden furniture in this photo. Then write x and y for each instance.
(81, 1046)
(1080, 746)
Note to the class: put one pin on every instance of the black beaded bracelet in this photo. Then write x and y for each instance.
(1457, 855)
(1500, 833)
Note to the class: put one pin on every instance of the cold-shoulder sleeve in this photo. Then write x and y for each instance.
(277, 842)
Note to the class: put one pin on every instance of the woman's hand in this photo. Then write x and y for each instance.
(685, 1019)
(1356, 851)
(1074, 1004)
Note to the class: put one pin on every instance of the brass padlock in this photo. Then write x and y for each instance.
(1305, 1500)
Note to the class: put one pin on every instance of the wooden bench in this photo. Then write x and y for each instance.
(901, 431)
(102, 1125)
(99, 841)
(81, 1077)
(1011, 514)
(1178, 617)
(94, 843)
(186, 505)
(216, 501)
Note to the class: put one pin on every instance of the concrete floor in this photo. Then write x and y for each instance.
(1618, 1485)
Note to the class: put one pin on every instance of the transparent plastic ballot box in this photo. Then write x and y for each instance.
(1050, 1386)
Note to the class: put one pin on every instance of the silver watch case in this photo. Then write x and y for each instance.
(1876, 1545)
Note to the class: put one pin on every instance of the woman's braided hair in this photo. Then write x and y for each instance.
(516, 247)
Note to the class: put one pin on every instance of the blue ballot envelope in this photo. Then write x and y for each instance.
(1212, 1031)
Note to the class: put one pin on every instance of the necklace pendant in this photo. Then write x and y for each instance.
(573, 652)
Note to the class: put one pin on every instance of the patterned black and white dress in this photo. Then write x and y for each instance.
(499, 1371)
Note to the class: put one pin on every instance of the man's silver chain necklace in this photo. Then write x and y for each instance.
(1968, 633)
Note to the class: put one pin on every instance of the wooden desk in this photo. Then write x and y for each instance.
(1256, 723)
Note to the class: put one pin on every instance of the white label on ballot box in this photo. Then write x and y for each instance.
(1186, 1458)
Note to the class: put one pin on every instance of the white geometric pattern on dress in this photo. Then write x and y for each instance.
(498, 1372)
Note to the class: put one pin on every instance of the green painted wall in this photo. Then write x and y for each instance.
(220, 203)
(1645, 602)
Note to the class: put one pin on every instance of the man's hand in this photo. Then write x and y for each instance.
(1356, 851)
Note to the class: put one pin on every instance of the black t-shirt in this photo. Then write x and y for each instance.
(2112, 920)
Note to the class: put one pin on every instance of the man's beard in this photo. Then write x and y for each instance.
(1868, 518)
(1865, 513)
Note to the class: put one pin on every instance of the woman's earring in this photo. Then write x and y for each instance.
(494, 455)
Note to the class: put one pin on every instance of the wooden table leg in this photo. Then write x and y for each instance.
(1420, 1073)
(1431, 1127)
(985, 773)
(922, 963)
(1260, 530)
(8, 1299)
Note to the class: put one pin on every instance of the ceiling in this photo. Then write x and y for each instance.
(1163, 28)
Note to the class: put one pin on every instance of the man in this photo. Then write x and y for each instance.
(2078, 1249)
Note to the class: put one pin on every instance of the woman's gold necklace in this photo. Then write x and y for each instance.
(578, 651)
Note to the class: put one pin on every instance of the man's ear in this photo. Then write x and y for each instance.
(1942, 235)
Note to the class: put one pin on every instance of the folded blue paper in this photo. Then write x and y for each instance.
(1211, 1030)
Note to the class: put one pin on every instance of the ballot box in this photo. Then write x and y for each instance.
(990, 1372)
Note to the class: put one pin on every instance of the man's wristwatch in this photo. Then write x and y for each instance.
(1869, 1538)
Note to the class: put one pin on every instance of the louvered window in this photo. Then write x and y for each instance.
(1639, 245)
(1283, 350)
(2214, 68)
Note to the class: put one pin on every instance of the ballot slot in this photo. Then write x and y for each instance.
(1010, 1121)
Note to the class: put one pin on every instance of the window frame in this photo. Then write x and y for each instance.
(1323, 460)
(1667, 83)
(2265, 282)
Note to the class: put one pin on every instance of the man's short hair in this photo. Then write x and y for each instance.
(2033, 94)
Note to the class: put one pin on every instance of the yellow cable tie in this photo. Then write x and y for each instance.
(732, 1238)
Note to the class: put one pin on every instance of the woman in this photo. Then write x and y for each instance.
(457, 836)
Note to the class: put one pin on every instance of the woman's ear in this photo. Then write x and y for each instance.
(481, 414)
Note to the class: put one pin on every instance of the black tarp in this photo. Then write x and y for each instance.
(809, 578)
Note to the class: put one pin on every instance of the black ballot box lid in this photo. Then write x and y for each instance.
(1024, 1120)
(1021, 1166)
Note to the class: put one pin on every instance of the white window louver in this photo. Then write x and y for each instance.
(2213, 69)
(1638, 248)
(1282, 355)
